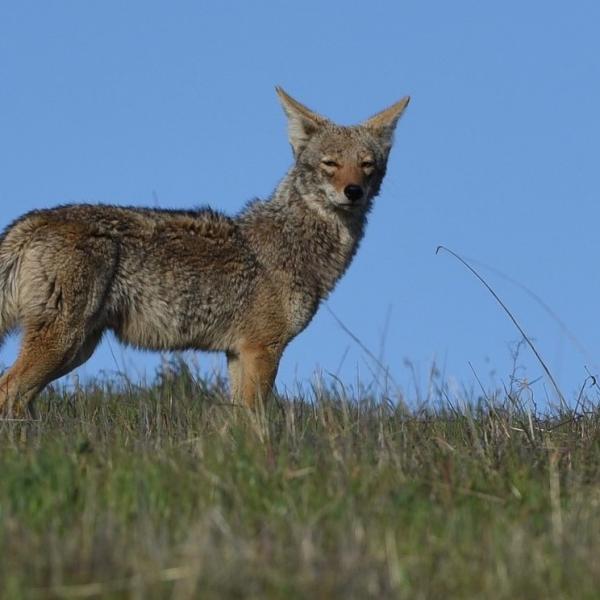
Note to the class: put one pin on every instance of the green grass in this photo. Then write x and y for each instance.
(170, 492)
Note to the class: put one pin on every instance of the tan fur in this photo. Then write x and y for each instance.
(348, 175)
(170, 280)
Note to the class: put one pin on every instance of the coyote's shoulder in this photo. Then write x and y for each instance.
(174, 279)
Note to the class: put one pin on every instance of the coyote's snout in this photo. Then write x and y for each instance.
(195, 279)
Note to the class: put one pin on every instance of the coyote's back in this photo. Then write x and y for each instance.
(170, 280)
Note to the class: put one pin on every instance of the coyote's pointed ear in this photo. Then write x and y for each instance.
(302, 122)
(384, 122)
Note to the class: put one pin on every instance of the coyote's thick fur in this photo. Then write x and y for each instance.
(170, 280)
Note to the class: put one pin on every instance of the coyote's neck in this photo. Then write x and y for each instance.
(293, 235)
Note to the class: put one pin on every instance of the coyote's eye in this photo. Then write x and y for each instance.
(367, 164)
(327, 162)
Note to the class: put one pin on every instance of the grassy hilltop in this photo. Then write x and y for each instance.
(168, 491)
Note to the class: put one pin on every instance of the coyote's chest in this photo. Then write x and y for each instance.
(300, 307)
(323, 266)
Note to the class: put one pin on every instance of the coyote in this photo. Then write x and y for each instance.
(193, 279)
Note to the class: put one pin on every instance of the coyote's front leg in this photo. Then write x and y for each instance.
(252, 373)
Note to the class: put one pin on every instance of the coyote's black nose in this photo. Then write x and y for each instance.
(353, 192)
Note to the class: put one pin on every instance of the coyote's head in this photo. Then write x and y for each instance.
(340, 168)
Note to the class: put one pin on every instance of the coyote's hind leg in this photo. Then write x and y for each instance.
(63, 313)
(43, 358)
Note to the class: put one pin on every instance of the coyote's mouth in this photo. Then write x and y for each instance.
(350, 206)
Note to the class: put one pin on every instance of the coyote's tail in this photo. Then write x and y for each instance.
(9, 260)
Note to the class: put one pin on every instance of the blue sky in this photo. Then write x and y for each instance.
(172, 104)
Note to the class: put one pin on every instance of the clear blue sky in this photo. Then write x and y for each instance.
(497, 157)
